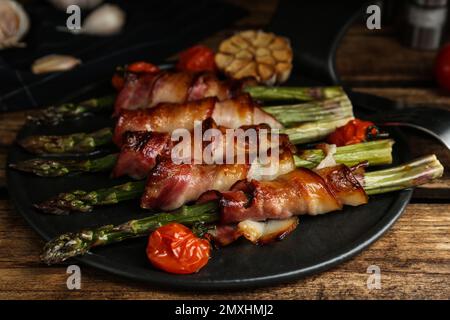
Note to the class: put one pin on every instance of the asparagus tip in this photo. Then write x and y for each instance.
(63, 204)
(64, 247)
(41, 167)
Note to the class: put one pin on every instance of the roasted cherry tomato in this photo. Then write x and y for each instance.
(176, 249)
(442, 67)
(139, 67)
(355, 131)
(117, 81)
(142, 67)
(197, 58)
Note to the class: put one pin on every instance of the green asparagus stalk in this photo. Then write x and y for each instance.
(315, 131)
(58, 168)
(291, 115)
(72, 143)
(294, 93)
(56, 114)
(375, 152)
(70, 245)
(84, 201)
(411, 174)
(74, 244)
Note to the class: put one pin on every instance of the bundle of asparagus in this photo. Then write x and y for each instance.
(305, 122)
(56, 114)
(374, 153)
(70, 245)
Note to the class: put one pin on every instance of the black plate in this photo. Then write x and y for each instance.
(317, 244)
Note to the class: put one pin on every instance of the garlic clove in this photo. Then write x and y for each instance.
(54, 63)
(14, 24)
(107, 20)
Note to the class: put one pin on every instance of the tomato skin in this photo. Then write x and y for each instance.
(355, 131)
(117, 82)
(442, 67)
(142, 67)
(139, 67)
(197, 58)
(175, 249)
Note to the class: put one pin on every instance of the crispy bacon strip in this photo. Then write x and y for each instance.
(301, 191)
(171, 185)
(139, 153)
(140, 149)
(167, 117)
(146, 91)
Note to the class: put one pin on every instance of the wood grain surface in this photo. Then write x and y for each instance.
(414, 256)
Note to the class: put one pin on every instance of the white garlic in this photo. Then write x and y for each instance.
(54, 63)
(106, 20)
(14, 24)
(83, 4)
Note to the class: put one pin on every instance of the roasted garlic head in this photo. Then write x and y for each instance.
(264, 56)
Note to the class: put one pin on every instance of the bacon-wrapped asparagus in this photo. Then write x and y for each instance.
(144, 91)
(308, 121)
(301, 191)
(69, 245)
(374, 153)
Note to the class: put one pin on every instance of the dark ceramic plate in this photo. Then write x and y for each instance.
(317, 244)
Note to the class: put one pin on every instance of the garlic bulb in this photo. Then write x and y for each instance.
(54, 63)
(83, 4)
(14, 24)
(261, 55)
(106, 20)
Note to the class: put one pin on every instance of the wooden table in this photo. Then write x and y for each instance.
(414, 256)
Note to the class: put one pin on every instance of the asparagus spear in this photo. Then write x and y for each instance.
(378, 152)
(74, 244)
(414, 173)
(56, 114)
(84, 201)
(72, 143)
(70, 245)
(291, 115)
(294, 93)
(375, 152)
(57, 168)
(314, 131)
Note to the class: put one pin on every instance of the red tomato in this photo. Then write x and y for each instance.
(197, 58)
(355, 131)
(139, 67)
(175, 249)
(442, 67)
(117, 82)
(142, 67)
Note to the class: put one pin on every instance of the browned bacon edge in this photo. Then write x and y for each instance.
(301, 191)
(146, 91)
(141, 149)
(167, 117)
